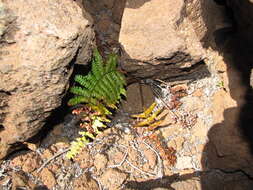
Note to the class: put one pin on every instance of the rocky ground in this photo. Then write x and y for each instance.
(206, 151)
(172, 157)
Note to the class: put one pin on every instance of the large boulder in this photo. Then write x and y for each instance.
(40, 40)
(164, 38)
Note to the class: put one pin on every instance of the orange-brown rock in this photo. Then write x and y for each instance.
(113, 178)
(37, 46)
(47, 177)
(85, 183)
(161, 38)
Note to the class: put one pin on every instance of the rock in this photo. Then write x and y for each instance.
(28, 162)
(227, 149)
(242, 60)
(84, 159)
(200, 130)
(117, 10)
(184, 162)
(109, 3)
(113, 179)
(190, 184)
(5, 21)
(47, 177)
(161, 38)
(139, 97)
(177, 143)
(47, 154)
(115, 158)
(151, 157)
(85, 183)
(20, 180)
(198, 93)
(219, 180)
(104, 23)
(142, 37)
(100, 162)
(36, 52)
(206, 17)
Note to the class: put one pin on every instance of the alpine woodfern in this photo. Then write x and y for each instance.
(102, 87)
(100, 90)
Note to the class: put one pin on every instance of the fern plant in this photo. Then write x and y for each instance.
(100, 90)
(102, 87)
(149, 117)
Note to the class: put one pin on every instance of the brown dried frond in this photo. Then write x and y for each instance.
(167, 153)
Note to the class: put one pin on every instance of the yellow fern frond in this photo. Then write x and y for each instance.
(146, 113)
(149, 120)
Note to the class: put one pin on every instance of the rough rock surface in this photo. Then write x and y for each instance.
(211, 154)
(122, 158)
(37, 47)
(145, 35)
(163, 38)
(84, 182)
(107, 19)
(206, 17)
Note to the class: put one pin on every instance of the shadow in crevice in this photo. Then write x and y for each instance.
(164, 182)
(106, 16)
(214, 180)
(62, 114)
(231, 140)
(136, 4)
(237, 50)
(226, 159)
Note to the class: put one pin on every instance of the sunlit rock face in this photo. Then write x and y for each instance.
(166, 38)
(39, 40)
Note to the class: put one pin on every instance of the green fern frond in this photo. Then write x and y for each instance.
(111, 63)
(77, 100)
(82, 80)
(104, 83)
(97, 65)
(121, 77)
(100, 90)
(79, 91)
(111, 86)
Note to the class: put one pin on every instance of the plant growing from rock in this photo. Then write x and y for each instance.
(148, 118)
(100, 91)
